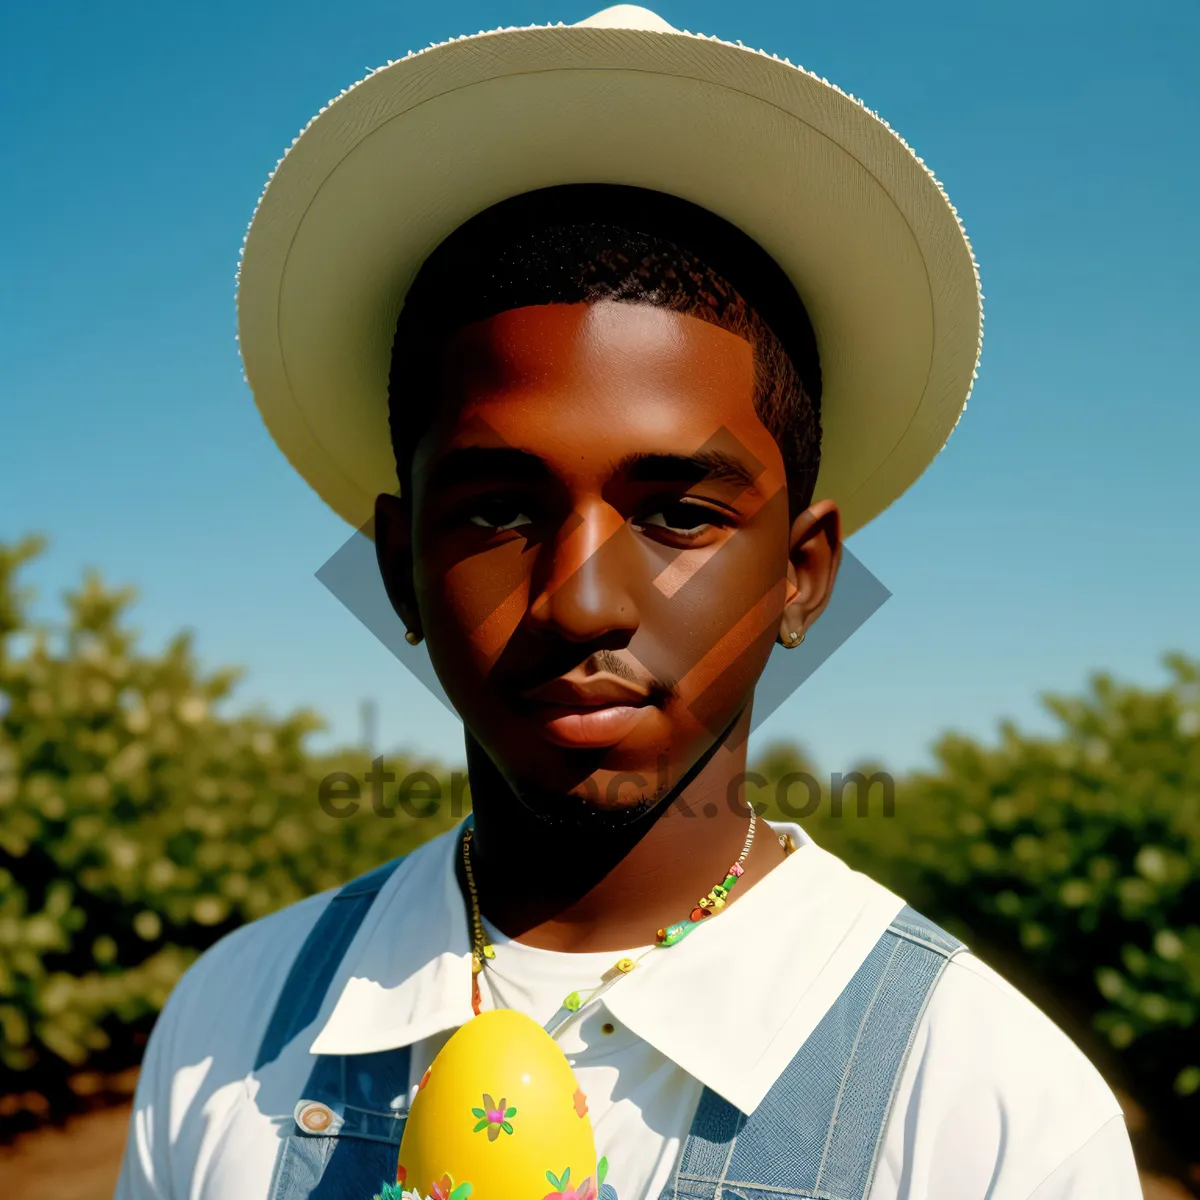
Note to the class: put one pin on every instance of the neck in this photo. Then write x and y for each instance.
(565, 890)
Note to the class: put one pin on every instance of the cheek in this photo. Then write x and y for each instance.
(471, 605)
(712, 633)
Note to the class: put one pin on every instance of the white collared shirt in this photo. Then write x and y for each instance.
(993, 1102)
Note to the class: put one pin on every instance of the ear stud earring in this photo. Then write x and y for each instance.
(411, 638)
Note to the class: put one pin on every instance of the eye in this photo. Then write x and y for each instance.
(498, 514)
(688, 520)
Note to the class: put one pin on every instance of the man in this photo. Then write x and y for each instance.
(508, 305)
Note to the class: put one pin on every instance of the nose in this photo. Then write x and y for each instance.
(582, 583)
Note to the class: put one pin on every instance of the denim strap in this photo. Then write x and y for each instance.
(819, 1130)
(358, 1092)
(318, 961)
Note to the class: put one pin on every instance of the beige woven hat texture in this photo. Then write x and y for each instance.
(396, 162)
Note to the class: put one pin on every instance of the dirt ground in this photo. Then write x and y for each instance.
(80, 1161)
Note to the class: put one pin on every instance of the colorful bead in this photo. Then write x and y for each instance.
(697, 913)
(572, 1002)
(625, 965)
(736, 869)
(678, 931)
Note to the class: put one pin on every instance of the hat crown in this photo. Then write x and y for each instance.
(387, 171)
(626, 16)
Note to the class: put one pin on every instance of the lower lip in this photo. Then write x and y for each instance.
(588, 727)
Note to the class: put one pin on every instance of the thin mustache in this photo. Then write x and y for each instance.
(607, 660)
(600, 660)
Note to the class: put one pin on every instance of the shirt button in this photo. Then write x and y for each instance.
(314, 1117)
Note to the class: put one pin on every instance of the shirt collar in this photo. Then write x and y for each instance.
(730, 1005)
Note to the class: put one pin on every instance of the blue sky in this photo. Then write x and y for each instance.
(1056, 534)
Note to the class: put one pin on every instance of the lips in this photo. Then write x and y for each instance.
(588, 711)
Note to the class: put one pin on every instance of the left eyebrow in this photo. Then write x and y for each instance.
(711, 465)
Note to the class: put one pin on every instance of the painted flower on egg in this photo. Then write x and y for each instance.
(493, 1117)
(445, 1189)
(585, 1191)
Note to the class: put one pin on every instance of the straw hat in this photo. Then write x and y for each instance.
(398, 161)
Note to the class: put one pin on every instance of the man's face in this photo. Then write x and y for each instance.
(600, 546)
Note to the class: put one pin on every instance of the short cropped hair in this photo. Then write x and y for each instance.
(586, 243)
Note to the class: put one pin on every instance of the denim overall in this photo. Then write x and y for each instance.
(817, 1133)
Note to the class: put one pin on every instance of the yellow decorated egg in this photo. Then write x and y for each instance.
(499, 1116)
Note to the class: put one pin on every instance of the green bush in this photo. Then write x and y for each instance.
(1074, 859)
(1082, 853)
(138, 825)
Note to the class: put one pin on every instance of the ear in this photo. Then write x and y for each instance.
(393, 552)
(814, 555)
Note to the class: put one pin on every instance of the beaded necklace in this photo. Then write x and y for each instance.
(707, 907)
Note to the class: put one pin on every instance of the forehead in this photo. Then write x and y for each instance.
(582, 385)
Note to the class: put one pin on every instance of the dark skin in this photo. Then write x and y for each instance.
(597, 547)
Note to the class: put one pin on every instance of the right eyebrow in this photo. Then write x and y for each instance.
(469, 464)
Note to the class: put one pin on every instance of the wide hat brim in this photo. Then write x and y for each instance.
(397, 162)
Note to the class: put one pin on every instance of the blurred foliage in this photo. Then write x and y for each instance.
(1075, 857)
(138, 824)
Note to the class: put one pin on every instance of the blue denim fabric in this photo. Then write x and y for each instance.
(818, 1131)
(318, 961)
(816, 1134)
(301, 1166)
(368, 1093)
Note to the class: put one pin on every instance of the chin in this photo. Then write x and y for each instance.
(595, 788)
(603, 800)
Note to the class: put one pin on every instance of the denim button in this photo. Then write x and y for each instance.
(316, 1118)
